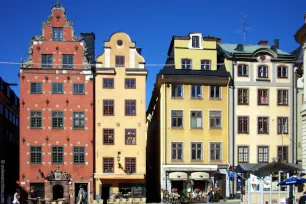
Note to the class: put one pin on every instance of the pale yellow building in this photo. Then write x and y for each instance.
(188, 118)
(120, 104)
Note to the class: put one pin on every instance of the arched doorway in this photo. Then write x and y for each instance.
(58, 191)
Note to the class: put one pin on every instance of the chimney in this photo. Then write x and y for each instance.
(263, 42)
(89, 39)
(276, 43)
(139, 50)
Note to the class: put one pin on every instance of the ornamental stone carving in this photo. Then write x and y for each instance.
(38, 38)
(47, 22)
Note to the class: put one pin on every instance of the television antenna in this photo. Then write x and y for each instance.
(245, 29)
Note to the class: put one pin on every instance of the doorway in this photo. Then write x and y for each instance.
(77, 187)
(58, 191)
(105, 193)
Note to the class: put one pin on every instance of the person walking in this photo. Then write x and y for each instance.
(33, 196)
(82, 196)
(209, 194)
(17, 196)
(303, 199)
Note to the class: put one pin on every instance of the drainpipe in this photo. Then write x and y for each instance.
(296, 114)
(292, 121)
(94, 128)
(233, 123)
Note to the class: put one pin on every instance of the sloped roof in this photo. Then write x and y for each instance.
(248, 49)
(299, 54)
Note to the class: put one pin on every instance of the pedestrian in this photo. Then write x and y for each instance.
(82, 195)
(17, 196)
(303, 199)
(209, 194)
(33, 196)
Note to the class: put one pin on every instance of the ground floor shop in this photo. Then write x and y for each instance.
(190, 178)
(119, 186)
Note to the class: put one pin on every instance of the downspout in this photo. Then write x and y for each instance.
(296, 116)
(233, 123)
(292, 121)
(94, 126)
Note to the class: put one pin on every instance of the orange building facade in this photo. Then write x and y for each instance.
(56, 125)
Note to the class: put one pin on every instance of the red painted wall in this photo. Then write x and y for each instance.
(58, 137)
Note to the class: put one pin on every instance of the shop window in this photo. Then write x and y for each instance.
(40, 189)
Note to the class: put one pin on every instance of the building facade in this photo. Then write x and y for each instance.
(188, 115)
(262, 104)
(300, 37)
(56, 126)
(120, 100)
(9, 140)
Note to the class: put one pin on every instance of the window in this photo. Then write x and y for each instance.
(215, 151)
(57, 119)
(78, 120)
(282, 72)
(130, 164)
(176, 91)
(108, 83)
(263, 71)
(263, 125)
(108, 107)
(57, 88)
(35, 154)
(282, 125)
(36, 119)
(130, 83)
(57, 154)
(130, 107)
(36, 87)
(243, 154)
(108, 136)
(46, 61)
(205, 65)
(196, 151)
(40, 189)
(119, 61)
(243, 125)
(196, 91)
(243, 96)
(78, 155)
(68, 61)
(243, 70)
(195, 41)
(177, 119)
(78, 89)
(177, 151)
(186, 64)
(108, 165)
(57, 34)
(130, 136)
(215, 92)
(215, 119)
(263, 154)
(196, 119)
(282, 97)
(282, 153)
(263, 97)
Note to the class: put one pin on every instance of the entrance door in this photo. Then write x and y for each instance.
(105, 193)
(77, 187)
(178, 184)
(58, 192)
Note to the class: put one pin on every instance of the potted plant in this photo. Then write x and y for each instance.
(174, 190)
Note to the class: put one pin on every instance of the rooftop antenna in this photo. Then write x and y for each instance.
(246, 28)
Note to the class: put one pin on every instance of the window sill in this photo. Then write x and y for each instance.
(263, 79)
(35, 92)
(177, 128)
(196, 128)
(243, 133)
(108, 144)
(283, 133)
(55, 128)
(108, 114)
(196, 160)
(78, 128)
(282, 105)
(262, 133)
(78, 93)
(58, 163)
(177, 97)
(177, 160)
(215, 160)
(196, 98)
(212, 128)
(130, 115)
(130, 87)
(243, 104)
(37, 128)
(263, 104)
(108, 87)
(129, 144)
(243, 76)
(36, 163)
(57, 93)
(215, 99)
(78, 163)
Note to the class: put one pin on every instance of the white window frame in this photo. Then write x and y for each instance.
(220, 98)
(202, 124)
(209, 110)
(200, 41)
(221, 146)
(183, 149)
(200, 90)
(202, 155)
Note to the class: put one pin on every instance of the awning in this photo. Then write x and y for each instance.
(190, 167)
(178, 176)
(199, 176)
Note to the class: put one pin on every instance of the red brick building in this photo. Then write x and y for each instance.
(56, 111)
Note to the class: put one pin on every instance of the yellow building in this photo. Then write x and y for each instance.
(120, 119)
(262, 107)
(187, 119)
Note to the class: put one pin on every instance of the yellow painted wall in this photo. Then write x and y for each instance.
(195, 54)
(187, 135)
(119, 122)
(253, 110)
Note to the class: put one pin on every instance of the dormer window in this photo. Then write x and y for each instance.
(57, 34)
(186, 64)
(195, 41)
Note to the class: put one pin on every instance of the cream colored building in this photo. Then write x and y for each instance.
(120, 101)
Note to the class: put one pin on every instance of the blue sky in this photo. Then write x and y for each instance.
(150, 23)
